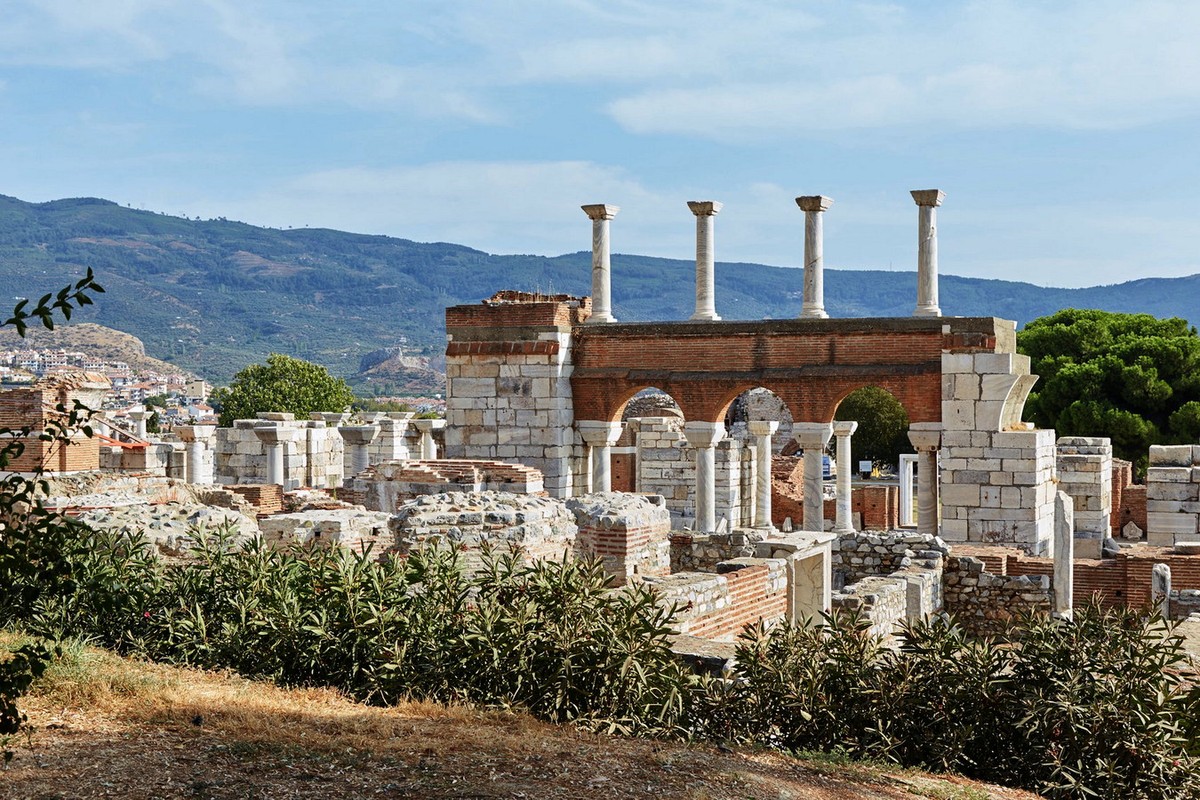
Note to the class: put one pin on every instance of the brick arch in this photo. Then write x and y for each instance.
(626, 393)
(914, 394)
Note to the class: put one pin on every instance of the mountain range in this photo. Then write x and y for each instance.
(212, 296)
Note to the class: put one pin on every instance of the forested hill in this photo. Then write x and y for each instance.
(214, 295)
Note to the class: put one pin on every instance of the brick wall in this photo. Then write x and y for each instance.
(1120, 581)
(267, 498)
(721, 606)
(704, 367)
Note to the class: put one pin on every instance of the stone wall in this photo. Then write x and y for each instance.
(386, 486)
(627, 533)
(882, 601)
(720, 606)
(313, 458)
(1085, 473)
(1173, 495)
(353, 528)
(667, 467)
(538, 527)
(692, 552)
(997, 474)
(983, 603)
(508, 385)
(874, 553)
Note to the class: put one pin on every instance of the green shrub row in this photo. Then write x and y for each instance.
(1089, 709)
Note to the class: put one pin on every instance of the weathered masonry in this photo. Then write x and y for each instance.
(544, 381)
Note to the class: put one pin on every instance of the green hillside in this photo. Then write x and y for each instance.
(214, 295)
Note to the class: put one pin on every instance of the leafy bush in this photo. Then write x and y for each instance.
(549, 637)
(1086, 709)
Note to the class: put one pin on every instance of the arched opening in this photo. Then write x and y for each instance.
(882, 434)
(881, 459)
(752, 418)
(650, 411)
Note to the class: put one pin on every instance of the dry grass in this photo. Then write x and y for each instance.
(111, 727)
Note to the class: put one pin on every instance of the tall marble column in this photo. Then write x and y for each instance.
(358, 438)
(600, 437)
(761, 430)
(706, 298)
(927, 439)
(600, 214)
(812, 438)
(426, 428)
(704, 436)
(814, 255)
(196, 437)
(927, 252)
(276, 439)
(844, 522)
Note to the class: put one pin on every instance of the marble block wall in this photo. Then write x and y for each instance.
(1085, 474)
(997, 474)
(1173, 495)
(666, 465)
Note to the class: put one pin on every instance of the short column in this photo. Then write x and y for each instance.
(196, 437)
(814, 255)
(704, 436)
(812, 438)
(600, 214)
(706, 299)
(844, 522)
(1160, 589)
(139, 422)
(762, 430)
(927, 252)
(600, 437)
(275, 438)
(1064, 555)
(426, 427)
(927, 439)
(358, 438)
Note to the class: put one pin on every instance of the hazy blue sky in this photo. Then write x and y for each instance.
(1065, 134)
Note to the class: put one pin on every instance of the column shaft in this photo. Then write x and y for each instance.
(601, 468)
(706, 489)
(195, 462)
(844, 522)
(762, 430)
(814, 255)
(706, 308)
(600, 214)
(927, 252)
(814, 490)
(927, 491)
(275, 463)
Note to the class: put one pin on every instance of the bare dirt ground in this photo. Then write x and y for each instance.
(107, 727)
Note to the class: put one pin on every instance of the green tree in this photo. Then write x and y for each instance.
(1131, 377)
(882, 433)
(34, 541)
(282, 384)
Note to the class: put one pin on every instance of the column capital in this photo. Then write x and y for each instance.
(928, 197)
(814, 202)
(844, 427)
(195, 433)
(925, 435)
(600, 211)
(139, 416)
(358, 434)
(275, 434)
(429, 424)
(812, 434)
(705, 208)
(599, 433)
(762, 427)
(703, 434)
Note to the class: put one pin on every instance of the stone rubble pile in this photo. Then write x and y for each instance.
(541, 527)
(170, 527)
